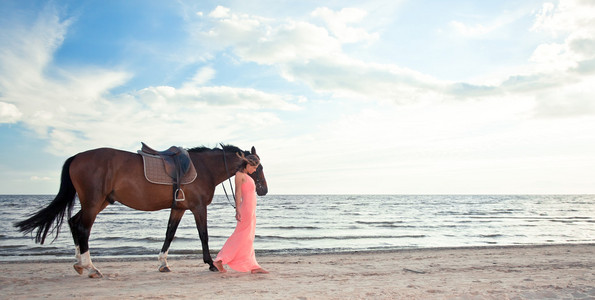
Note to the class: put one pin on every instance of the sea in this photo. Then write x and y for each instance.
(306, 224)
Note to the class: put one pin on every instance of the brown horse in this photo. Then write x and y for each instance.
(103, 176)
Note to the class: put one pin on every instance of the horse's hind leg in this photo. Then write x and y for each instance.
(172, 225)
(73, 223)
(81, 228)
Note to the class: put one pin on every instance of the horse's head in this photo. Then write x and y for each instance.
(259, 180)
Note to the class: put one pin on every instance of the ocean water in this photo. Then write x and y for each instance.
(321, 223)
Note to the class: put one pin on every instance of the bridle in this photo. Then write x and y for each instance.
(228, 178)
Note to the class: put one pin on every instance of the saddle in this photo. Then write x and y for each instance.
(176, 164)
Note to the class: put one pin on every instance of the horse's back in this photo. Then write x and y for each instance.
(101, 159)
(105, 152)
(101, 168)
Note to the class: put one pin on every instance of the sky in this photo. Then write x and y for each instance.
(338, 97)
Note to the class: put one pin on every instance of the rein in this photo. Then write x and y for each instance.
(228, 178)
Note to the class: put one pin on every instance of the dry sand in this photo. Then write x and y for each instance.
(525, 272)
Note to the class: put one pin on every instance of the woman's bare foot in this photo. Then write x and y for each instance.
(219, 265)
(259, 271)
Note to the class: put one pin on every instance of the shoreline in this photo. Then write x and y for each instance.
(267, 253)
(492, 272)
(262, 253)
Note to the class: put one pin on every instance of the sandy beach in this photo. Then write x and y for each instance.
(520, 272)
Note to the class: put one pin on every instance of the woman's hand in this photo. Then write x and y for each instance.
(238, 216)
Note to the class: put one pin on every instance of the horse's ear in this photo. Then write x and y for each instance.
(253, 150)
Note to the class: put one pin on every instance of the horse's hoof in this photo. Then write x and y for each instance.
(78, 269)
(164, 269)
(95, 274)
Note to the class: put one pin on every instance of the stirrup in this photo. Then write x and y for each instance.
(183, 195)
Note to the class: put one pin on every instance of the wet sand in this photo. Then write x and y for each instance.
(519, 272)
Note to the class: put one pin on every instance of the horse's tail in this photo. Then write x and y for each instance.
(44, 219)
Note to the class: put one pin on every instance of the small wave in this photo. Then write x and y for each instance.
(291, 227)
(378, 222)
(185, 251)
(491, 235)
(9, 249)
(124, 250)
(538, 218)
(402, 226)
(39, 251)
(344, 237)
(123, 239)
(147, 239)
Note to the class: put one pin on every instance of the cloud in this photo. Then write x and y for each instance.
(158, 98)
(314, 54)
(574, 19)
(203, 76)
(9, 113)
(344, 77)
(232, 29)
(269, 41)
(566, 16)
(570, 100)
(569, 64)
(559, 74)
(28, 47)
(74, 108)
(337, 23)
(220, 12)
(488, 27)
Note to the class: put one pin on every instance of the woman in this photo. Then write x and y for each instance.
(238, 250)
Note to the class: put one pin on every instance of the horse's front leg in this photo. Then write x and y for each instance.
(175, 216)
(200, 216)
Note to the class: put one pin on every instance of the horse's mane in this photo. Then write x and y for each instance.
(226, 148)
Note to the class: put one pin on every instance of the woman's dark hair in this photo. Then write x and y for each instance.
(251, 159)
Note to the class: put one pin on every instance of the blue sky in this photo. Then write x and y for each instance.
(339, 97)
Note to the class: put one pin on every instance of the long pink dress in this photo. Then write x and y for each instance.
(238, 250)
